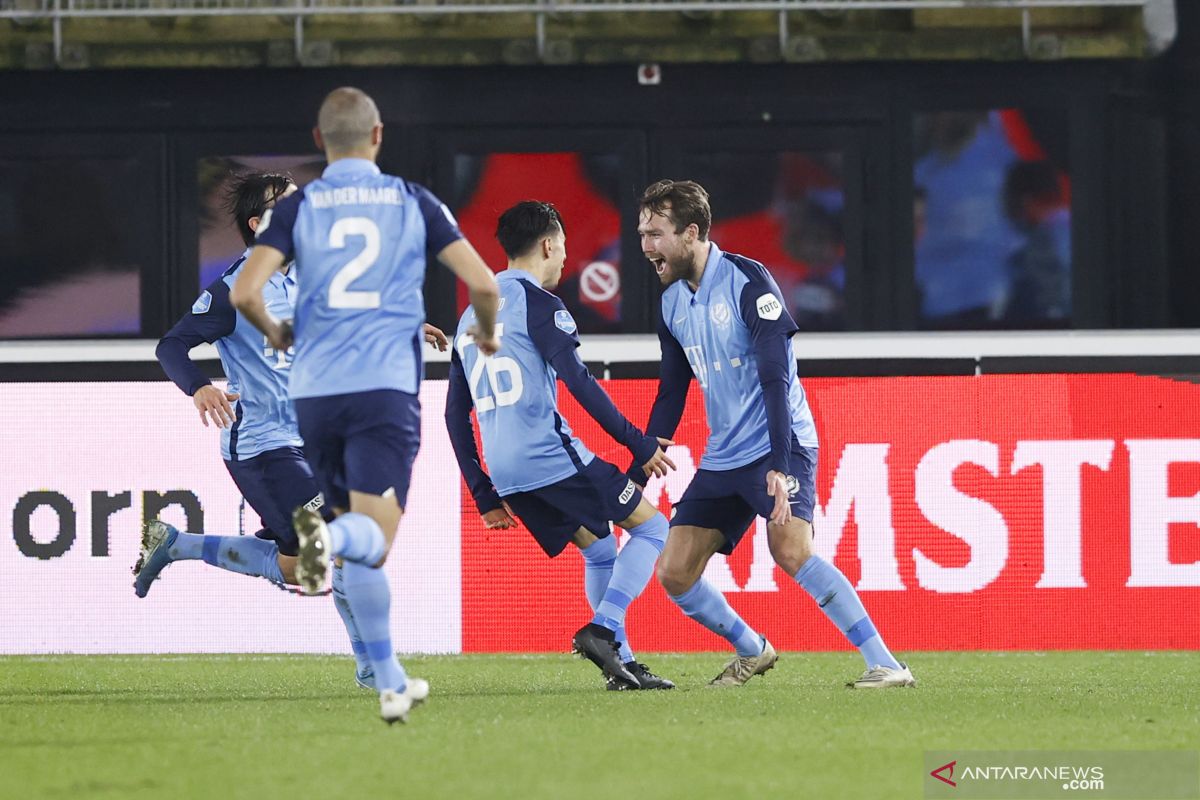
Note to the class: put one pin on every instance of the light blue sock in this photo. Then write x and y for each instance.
(245, 555)
(357, 537)
(598, 561)
(361, 663)
(187, 546)
(370, 600)
(709, 607)
(631, 573)
(837, 598)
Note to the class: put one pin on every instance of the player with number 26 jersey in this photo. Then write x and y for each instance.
(540, 472)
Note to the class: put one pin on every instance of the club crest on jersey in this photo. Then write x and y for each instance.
(564, 321)
(719, 314)
(769, 306)
(627, 495)
(203, 303)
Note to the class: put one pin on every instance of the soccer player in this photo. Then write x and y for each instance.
(359, 239)
(539, 470)
(722, 319)
(260, 441)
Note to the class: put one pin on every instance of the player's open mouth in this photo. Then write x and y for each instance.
(660, 265)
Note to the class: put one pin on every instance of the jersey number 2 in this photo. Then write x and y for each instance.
(495, 367)
(339, 295)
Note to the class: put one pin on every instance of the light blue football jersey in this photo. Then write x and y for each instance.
(359, 239)
(264, 417)
(527, 444)
(715, 326)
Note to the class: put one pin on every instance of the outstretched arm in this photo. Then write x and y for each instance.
(555, 335)
(646, 450)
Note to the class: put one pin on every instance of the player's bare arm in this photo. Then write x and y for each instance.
(462, 259)
(246, 295)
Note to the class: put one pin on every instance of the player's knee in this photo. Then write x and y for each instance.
(674, 582)
(790, 553)
(653, 530)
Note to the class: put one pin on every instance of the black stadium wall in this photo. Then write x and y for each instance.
(1131, 138)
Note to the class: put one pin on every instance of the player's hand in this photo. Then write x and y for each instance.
(777, 487)
(436, 338)
(660, 463)
(212, 402)
(488, 346)
(501, 518)
(281, 335)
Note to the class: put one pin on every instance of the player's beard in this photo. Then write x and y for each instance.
(681, 268)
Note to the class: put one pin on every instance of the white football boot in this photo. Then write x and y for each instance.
(885, 678)
(743, 668)
(394, 706)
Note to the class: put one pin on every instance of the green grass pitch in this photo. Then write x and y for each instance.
(530, 727)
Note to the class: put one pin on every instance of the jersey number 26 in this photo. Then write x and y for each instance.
(494, 366)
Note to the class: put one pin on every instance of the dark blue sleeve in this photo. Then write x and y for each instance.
(212, 317)
(441, 229)
(462, 439)
(550, 325)
(275, 229)
(674, 378)
(771, 328)
(600, 407)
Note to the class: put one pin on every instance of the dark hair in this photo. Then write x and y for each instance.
(521, 226)
(683, 202)
(250, 195)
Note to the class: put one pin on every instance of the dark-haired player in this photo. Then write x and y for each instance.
(260, 441)
(539, 470)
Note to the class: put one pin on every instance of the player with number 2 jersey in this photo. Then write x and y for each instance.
(359, 239)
